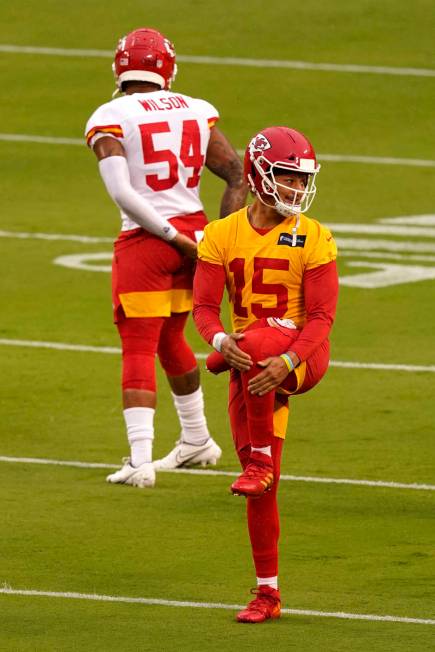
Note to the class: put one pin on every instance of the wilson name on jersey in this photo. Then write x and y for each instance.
(265, 272)
(165, 137)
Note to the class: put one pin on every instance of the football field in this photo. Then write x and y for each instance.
(85, 565)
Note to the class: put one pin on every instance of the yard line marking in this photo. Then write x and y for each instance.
(359, 244)
(362, 244)
(377, 160)
(73, 595)
(61, 346)
(405, 230)
(332, 158)
(380, 366)
(56, 52)
(382, 255)
(231, 61)
(22, 235)
(211, 472)
(48, 140)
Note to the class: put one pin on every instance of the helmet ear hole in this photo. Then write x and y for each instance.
(267, 185)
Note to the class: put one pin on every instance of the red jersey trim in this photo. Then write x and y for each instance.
(114, 130)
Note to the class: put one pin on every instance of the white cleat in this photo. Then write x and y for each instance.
(189, 454)
(137, 476)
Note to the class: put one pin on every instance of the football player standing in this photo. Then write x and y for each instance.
(280, 270)
(152, 145)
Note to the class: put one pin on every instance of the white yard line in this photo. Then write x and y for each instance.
(376, 160)
(212, 472)
(231, 61)
(87, 239)
(61, 346)
(360, 245)
(333, 158)
(72, 595)
(46, 140)
(380, 366)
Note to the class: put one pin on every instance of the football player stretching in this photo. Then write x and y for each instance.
(280, 271)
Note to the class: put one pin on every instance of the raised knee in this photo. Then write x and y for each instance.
(251, 344)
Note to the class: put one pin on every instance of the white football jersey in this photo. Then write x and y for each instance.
(165, 137)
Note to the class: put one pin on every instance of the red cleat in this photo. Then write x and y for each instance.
(256, 478)
(266, 605)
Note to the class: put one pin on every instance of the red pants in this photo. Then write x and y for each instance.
(152, 295)
(150, 277)
(261, 342)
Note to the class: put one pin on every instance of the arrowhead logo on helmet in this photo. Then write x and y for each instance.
(258, 144)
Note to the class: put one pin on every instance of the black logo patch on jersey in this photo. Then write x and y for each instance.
(287, 239)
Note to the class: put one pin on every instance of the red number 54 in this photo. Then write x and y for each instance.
(190, 154)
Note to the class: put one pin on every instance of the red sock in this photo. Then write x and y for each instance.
(259, 410)
(263, 522)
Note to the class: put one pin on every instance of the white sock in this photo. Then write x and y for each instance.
(270, 581)
(190, 410)
(266, 450)
(140, 433)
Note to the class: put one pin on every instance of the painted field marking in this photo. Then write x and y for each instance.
(23, 235)
(72, 595)
(230, 61)
(61, 346)
(332, 158)
(91, 262)
(232, 474)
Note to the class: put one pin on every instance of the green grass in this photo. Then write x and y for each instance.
(380, 539)
(362, 550)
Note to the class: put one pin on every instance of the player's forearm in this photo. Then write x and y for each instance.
(321, 294)
(208, 288)
(223, 160)
(312, 335)
(207, 321)
(233, 199)
(116, 177)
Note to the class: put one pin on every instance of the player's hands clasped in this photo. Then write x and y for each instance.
(186, 246)
(233, 355)
(274, 373)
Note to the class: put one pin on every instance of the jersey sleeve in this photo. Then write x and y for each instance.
(210, 113)
(321, 293)
(210, 248)
(322, 248)
(104, 120)
(208, 289)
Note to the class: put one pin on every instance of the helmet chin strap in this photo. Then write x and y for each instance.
(286, 211)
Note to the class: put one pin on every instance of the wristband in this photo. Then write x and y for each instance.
(217, 340)
(288, 362)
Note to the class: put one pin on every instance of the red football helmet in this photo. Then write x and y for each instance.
(272, 152)
(145, 55)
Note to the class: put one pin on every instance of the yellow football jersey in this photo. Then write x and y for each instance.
(264, 272)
